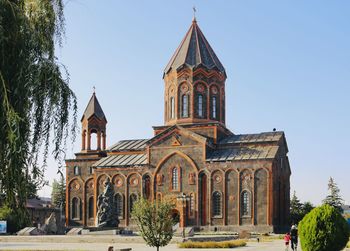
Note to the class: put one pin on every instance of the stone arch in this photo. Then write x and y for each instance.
(164, 159)
(261, 196)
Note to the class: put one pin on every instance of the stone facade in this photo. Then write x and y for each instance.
(215, 177)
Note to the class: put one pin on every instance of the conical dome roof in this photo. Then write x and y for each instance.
(93, 108)
(193, 51)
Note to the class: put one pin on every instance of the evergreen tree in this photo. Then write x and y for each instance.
(306, 208)
(295, 209)
(35, 99)
(154, 221)
(58, 194)
(334, 199)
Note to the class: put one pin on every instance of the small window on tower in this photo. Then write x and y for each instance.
(214, 107)
(91, 170)
(76, 170)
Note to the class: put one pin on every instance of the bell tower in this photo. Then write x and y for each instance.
(194, 82)
(93, 123)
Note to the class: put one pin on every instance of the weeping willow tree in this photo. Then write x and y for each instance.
(37, 107)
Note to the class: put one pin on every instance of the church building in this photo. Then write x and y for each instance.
(216, 178)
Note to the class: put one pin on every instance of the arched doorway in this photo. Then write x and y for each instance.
(175, 215)
(203, 197)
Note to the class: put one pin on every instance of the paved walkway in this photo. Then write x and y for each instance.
(268, 246)
(276, 245)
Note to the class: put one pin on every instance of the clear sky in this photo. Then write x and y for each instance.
(288, 67)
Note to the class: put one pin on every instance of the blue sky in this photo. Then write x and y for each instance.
(288, 67)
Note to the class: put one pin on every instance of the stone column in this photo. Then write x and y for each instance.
(83, 140)
(103, 141)
(98, 141)
(89, 141)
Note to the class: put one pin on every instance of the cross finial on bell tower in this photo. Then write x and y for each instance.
(194, 14)
(93, 90)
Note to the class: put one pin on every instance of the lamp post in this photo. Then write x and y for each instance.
(182, 199)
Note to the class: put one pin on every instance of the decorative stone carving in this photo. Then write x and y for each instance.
(106, 213)
(160, 179)
(191, 179)
(50, 226)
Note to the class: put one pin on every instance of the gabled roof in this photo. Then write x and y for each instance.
(93, 108)
(129, 145)
(194, 51)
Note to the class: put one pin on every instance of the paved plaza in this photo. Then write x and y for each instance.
(84, 244)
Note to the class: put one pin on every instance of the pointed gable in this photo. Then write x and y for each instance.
(94, 108)
(194, 50)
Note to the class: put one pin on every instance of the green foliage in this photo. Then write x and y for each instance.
(334, 199)
(154, 221)
(35, 99)
(298, 210)
(323, 229)
(14, 222)
(213, 244)
(58, 194)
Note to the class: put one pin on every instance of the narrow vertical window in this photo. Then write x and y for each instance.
(200, 105)
(75, 208)
(214, 107)
(192, 204)
(133, 199)
(245, 203)
(175, 179)
(216, 204)
(76, 170)
(185, 106)
(119, 205)
(172, 108)
(91, 207)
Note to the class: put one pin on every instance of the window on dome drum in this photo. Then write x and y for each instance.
(119, 205)
(91, 208)
(91, 170)
(175, 179)
(214, 107)
(185, 106)
(76, 170)
(133, 199)
(216, 203)
(75, 208)
(200, 105)
(245, 203)
(172, 108)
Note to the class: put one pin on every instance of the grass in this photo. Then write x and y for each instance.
(213, 244)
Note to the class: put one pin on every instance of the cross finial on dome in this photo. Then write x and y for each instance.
(93, 90)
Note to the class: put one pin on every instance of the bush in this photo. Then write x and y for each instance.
(323, 229)
(15, 220)
(213, 244)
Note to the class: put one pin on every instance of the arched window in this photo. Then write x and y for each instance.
(119, 205)
(91, 208)
(75, 208)
(76, 170)
(175, 179)
(245, 198)
(185, 106)
(147, 187)
(192, 203)
(216, 203)
(172, 108)
(200, 105)
(214, 107)
(133, 199)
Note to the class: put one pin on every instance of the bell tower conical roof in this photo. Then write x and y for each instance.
(194, 50)
(93, 108)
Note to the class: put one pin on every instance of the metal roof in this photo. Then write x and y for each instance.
(252, 138)
(194, 50)
(129, 145)
(122, 160)
(242, 153)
